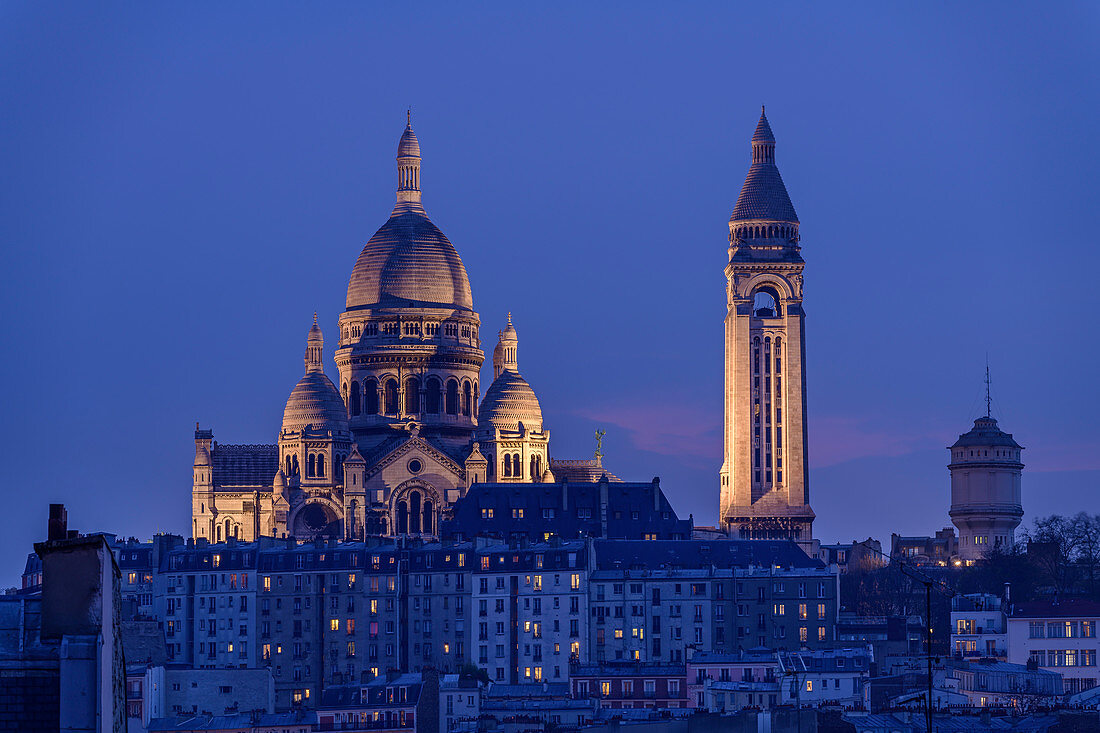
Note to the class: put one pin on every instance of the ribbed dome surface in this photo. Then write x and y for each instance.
(315, 401)
(508, 402)
(409, 146)
(409, 259)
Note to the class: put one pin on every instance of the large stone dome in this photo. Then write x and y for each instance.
(407, 261)
(315, 401)
(508, 402)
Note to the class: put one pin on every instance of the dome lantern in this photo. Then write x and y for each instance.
(408, 164)
(504, 355)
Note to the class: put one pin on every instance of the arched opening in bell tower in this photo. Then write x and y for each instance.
(765, 303)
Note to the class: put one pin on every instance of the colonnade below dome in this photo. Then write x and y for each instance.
(411, 397)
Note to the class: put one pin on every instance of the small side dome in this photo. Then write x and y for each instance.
(315, 400)
(278, 484)
(509, 400)
(202, 455)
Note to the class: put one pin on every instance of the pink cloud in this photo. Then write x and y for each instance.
(835, 439)
(673, 429)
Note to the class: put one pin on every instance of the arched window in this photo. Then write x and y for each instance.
(228, 529)
(414, 512)
(534, 468)
(354, 403)
(218, 533)
(452, 397)
(370, 387)
(321, 465)
(287, 471)
(402, 518)
(517, 467)
(432, 395)
(311, 466)
(338, 468)
(390, 389)
(489, 470)
(507, 466)
(294, 467)
(428, 517)
(466, 399)
(477, 396)
(412, 396)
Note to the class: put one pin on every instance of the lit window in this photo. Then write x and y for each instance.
(334, 624)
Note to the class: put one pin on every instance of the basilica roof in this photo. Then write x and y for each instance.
(409, 261)
(244, 465)
(763, 196)
(585, 469)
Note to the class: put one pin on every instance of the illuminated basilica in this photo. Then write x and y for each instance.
(404, 431)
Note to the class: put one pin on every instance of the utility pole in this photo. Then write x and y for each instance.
(927, 582)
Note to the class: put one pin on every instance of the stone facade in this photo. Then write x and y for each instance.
(403, 432)
(765, 477)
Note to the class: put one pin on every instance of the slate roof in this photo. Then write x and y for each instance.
(1074, 607)
(654, 554)
(244, 465)
(232, 722)
(985, 433)
(533, 510)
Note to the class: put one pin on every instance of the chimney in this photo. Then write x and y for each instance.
(1008, 596)
(58, 524)
(656, 493)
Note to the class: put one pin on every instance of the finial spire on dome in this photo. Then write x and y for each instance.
(408, 163)
(315, 346)
(504, 355)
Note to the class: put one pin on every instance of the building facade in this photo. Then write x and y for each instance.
(978, 626)
(765, 475)
(1057, 636)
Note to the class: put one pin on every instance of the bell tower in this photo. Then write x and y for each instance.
(764, 479)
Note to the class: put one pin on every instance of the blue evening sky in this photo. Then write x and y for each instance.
(184, 184)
